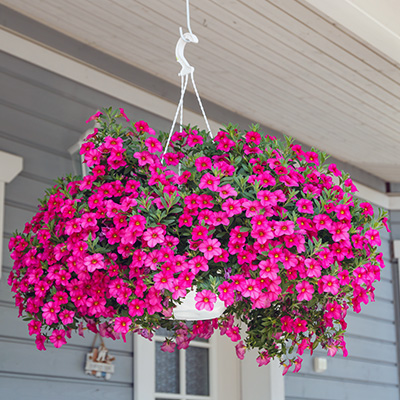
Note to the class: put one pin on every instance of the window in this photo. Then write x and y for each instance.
(184, 373)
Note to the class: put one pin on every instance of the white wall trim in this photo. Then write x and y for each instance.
(389, 201)
(10, 166)
(364, 25)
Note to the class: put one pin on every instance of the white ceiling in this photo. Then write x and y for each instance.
(277, 62)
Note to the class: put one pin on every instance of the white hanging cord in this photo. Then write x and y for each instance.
(187, 23)
(180, 105)
(201, 106)
(186, 70)
(181, 117)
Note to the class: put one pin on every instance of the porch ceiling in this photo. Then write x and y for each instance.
(277, 62)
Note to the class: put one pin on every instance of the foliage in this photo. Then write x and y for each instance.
(257, 222)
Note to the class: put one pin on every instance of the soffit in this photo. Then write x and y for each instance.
(276, 62)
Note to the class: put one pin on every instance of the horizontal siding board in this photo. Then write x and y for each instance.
(374, 350)
(384, 289)
(16, 328)
(33, 388)
(367, 327)
(38, 162)
(25, 191)
(301, 386)
(15, 218)
(15, 122)
(64, 362)
(340, 367)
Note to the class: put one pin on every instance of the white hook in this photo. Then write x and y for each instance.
(179, 52)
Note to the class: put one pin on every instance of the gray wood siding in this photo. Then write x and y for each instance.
(41, 116)
(370, 371)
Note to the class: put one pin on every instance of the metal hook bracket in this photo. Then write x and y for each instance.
(179, 52)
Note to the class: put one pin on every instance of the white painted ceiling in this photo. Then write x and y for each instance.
(277, 62)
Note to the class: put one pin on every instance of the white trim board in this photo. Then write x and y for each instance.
(10, 166)
(387, 201)
(364, 25)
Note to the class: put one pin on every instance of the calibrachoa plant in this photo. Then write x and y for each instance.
(257, 222)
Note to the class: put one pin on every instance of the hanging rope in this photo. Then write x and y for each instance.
(187, 70)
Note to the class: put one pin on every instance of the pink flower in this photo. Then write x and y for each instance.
(34, 327)
(93, 262)
(67, 316)
(40, 339)
(142, 126)
(339, 231)
(299, 325)
(168, 346)
(50, 311)
(58, 338)
(203, 163)
(154, 236)
(136, 308)
(297, 363)
(253, 137)
(263, 359)
(311, 157)
(123, 114)
(232, 207)
(226, 191)
(199, 232)
(205, 300)
(193, 140)
(122, 324)
(95, 116)
(305, 206)
(209, 181)
(283, 228)
(287, 324)
(305, 290)
(153, 145)
(210, 248)
(372, 237)
(330, 284)
(240, 350)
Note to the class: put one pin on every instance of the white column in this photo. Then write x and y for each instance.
(261, 383)
(10, 167)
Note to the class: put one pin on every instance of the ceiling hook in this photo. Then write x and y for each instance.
(179, 52)
(188, 37)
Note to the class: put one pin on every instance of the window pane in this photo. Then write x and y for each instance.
(164, 332)
(167, 371)
(197, 371)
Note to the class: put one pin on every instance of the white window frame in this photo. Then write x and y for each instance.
(10, 166)
(230, 378)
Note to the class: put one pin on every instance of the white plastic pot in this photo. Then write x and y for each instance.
(188, 311)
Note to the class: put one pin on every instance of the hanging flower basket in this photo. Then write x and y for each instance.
(245, 219)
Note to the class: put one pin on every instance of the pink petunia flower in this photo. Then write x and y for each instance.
(58, 338)
(305, 291)
(372, 237)
(205, 300)
(209, 181)
(305, 206)
(154, 236)
(153, 145)
(210, 248)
